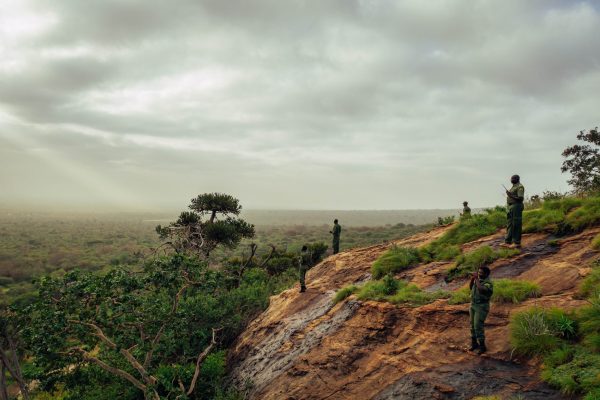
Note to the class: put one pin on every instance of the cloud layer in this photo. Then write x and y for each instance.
(331, 104)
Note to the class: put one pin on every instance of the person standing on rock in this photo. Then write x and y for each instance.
(482, 289)
(466, 210)
(304, 262)
(336, 231)
(514, 213)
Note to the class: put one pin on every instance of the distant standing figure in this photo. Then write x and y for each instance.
(481, 292)
(336, 231)
(514, 213)
(304, 261)
(466, 210)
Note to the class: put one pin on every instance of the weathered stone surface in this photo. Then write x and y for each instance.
(303, 347)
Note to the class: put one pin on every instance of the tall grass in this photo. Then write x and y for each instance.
(395, 260)
(505, 291)
(343, 293)
(513, 291)
(397, 292)
(470, 262)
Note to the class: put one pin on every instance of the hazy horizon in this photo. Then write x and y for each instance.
(341, 104)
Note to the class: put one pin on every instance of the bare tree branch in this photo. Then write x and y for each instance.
(201, 358)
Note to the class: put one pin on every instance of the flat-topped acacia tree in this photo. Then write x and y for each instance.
(213, 221)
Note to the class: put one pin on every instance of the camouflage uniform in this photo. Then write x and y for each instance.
(514, 214)
(480, 307)
(336, 231)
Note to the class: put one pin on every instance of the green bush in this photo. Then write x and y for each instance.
(590, 286)
(470, 262)
(479, 225)
(580, 373)
(585, 216)
(413, 295)
(397, 292)
(540, 331)
(343, 293)
(460, 296)
(589, 317)
(394, 260)
(513, 291)
(542, 219)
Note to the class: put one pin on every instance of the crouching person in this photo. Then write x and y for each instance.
(481, 292)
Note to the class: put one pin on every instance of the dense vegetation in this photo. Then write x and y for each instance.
(33, 245)
(568, 341)
(110, 316)
(390, 290)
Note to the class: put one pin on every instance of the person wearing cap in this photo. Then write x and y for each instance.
(514, 213)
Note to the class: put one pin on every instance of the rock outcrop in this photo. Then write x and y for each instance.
(304, 347)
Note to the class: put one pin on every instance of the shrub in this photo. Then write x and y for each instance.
(590, 286)
(343, 293)
(585, 216)
(540, 331)
(397, 292)
(468, 263)
(460, 296)
(412, 294)
(372, 290)
(512, 291)
(578, 375)
(479, 225)
(589, 317)
(394, 260)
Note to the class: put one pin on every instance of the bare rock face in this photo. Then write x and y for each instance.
(304, 347)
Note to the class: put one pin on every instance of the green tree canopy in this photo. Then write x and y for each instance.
(583, 162)
(194, 232)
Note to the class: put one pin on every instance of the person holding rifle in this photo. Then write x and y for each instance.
(514, 213)
(482, 289)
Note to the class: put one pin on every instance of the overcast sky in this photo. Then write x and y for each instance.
(291, 104)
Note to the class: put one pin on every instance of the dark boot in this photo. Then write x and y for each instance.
(474, 345)
(482, 348)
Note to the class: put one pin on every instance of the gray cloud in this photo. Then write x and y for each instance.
(333, 104)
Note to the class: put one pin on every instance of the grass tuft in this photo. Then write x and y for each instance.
(343, 293)
(470, 262)
(397, 292)
(394, 260)
(513, 291)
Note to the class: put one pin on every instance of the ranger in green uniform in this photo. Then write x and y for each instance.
(514, 215)
(466, 210)
(304, 263)
(337, 229)
(481, 292)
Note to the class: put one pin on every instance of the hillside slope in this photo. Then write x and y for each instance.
(304, 347)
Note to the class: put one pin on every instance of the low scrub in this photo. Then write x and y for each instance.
(541, 331)
(394, 260)
(505, 291)
(479, 225)
(470, 262)
(574, 370)
(460, 296)
(590, 286)
(513, 291)
(397, 292)
(344, 293)
(563, 215)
